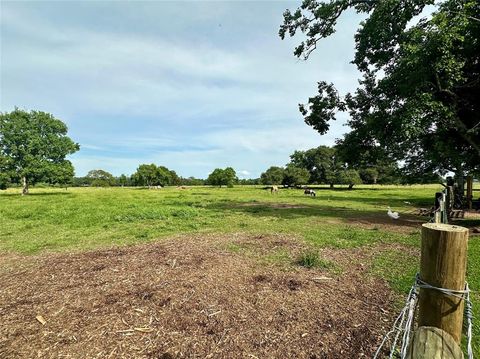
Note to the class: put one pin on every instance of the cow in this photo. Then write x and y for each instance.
(310, 192)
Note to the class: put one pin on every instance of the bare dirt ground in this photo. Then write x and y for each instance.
(190, 297)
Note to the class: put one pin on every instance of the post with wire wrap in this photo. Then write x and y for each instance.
(441, 297)
(442, 279)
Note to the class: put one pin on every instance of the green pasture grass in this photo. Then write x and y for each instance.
(83, 218)
(86, 218)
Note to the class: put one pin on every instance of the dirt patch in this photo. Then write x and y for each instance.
(189, 297)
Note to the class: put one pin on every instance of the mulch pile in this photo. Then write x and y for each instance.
(190, 297)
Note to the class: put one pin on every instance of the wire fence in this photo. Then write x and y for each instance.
(399, 337)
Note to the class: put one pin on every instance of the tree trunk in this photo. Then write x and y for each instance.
(350, 186)
(25, 186)
(331, 185)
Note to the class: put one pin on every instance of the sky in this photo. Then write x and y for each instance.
(188, 85)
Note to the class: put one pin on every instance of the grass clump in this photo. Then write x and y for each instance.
(311, 259)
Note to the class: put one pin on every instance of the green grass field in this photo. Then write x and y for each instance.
(88, 218)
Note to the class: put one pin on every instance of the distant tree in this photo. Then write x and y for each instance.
(100, 178)
(164, 176)
(222, 177)
(175, 180)
(147, 175)
(81, 182)
(123, 180)
(230, 176)
(152, 175)
(250, 181)
(216, 177)
(294, 176)
(322, 163)
(369, 175)
(33, 145)
(61, 175)
(273, 175)
(421, 178)
(192, 181)
(348, 176)
(4, 181)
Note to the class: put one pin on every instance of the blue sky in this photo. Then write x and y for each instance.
(188, 85)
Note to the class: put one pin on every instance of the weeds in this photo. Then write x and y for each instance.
(311, 259)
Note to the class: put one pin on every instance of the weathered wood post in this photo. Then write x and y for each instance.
(469, 191)
(450, 200)
(437, 214)
(442, 265)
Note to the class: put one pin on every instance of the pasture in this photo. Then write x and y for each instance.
(209, 272)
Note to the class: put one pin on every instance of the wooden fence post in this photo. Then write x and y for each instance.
(469, 191)
(437, 214)
(431, 342)
(450, 199)
(443, 264)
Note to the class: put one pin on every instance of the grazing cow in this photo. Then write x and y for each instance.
(310, 192)
(274, 189)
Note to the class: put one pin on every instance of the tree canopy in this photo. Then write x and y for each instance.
(326, 165)
(153, 175)
(33, 147)
(222, 177)
(100, 178)
(273, 175)
(295, 176)
(418, 99)
(321, 162)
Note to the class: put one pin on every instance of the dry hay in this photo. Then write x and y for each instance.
(186, 298)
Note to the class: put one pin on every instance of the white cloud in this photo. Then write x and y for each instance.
(182, 91)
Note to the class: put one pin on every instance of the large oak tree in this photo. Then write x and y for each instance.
(418, 101)
(33, 147)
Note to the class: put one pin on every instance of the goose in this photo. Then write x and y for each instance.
(392, 215)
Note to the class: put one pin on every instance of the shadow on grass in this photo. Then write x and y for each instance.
(468, 223)
(296, 211)
(36, 194)
(356, 196)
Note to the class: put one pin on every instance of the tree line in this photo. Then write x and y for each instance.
(323, 165)
(34, 145)
(153, 176)
(330, 166)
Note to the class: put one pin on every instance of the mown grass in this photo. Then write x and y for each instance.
(83, 218)
(87, 218)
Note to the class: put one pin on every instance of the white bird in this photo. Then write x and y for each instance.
(392, 215)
